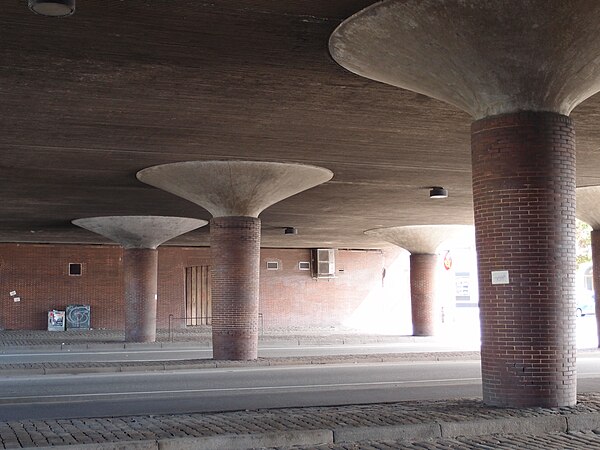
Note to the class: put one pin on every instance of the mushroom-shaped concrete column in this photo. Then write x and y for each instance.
(139, 236)
(235, 193)
(588, 211)
(422, 242)
(519, 68)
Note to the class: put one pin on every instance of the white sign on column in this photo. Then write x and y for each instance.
(500, 277)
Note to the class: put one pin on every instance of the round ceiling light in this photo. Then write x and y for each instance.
(438, 192)
(52, 8)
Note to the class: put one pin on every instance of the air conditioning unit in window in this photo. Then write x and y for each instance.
(324, 262)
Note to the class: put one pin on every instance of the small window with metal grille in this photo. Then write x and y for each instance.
(74, 269)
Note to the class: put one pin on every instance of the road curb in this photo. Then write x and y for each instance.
(78, 370)
(217, 442)
(417, 431)
(248, 441)
(583, 422)
(518, 425)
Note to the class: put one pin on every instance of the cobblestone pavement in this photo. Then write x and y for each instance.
(39, 433)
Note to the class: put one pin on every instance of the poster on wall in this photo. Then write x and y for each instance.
(56, 320)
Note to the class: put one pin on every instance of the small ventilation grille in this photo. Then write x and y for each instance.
(272, 265)
(304, 265)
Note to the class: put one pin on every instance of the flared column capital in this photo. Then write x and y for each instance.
(422, 239)
(486, 57)
(234, 188)
(139, 231)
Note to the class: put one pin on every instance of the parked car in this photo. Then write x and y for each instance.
(585, 304)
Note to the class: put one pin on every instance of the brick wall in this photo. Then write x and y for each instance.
(524, 201)
(172, 262)
(289, 297)
(40, 276)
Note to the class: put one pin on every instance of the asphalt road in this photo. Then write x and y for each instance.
(100, 395)
(97, 395)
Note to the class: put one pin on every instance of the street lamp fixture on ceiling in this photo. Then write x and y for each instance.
(53, 8)
(290, 230)
(438, 192)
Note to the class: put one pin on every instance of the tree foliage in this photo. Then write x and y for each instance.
(584, 242)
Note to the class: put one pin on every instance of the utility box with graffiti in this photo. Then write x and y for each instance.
(78, 317)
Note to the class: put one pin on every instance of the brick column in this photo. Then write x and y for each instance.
(423, 293)
(596, 275)
(524, 201)
(235, 252)
(140, 273)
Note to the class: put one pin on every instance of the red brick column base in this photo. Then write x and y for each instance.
(140, 272)
(235, 252)
(596, 276)
(524, 201)
(423, 294)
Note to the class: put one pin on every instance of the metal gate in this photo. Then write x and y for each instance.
(197, 296)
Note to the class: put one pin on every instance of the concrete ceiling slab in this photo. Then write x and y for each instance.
(139, 231)
(88, 101)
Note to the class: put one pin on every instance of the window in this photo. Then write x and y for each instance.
(304, 265)
(74, 269)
